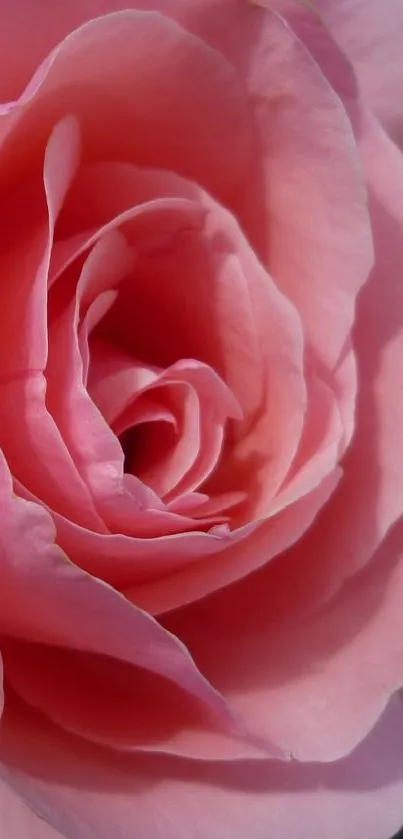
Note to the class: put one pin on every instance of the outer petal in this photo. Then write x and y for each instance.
(27, 431)
(46, 599)
(126, 708)
(1, 687)
(340, 660)
(20, 27)
(89, 794)
(371, 34)
(338, 666)
(319, 244)
(313, 190)
(184, 121)
(378, 338)
(18, 821)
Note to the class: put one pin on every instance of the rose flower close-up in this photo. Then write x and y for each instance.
(201, 419)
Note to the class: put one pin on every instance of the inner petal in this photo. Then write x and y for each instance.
(201, 293)
(170, 422)
(165, 453)
(93, 447)
(198, 291)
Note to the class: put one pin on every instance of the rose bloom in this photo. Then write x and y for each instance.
(201, 476)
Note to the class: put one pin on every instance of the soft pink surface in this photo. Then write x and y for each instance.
(370, 34)
(84, 792)
(201, 490)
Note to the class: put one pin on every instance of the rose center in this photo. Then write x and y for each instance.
(146, 446)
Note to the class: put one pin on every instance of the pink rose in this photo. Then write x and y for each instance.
(201, 603)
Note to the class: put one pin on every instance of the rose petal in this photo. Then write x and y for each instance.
(166, 126)
(163, 462)
(18, 820)
(242, 556)
(207, 319)
(117, 705)
(367, 510)
(318, 244)
(48, 600)
(195, 398)
(115, 377)
(87, 793)
(320, 448)
(27, 430)
(371, 36)
(250, 336)
(1, 687)
(338, 665)
(148, 225)
(125, 561)
(33, 217)
(93, 446)
(378, 338)
(323, 232)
